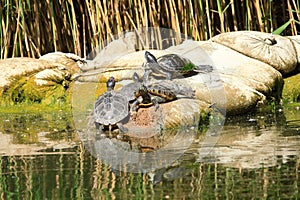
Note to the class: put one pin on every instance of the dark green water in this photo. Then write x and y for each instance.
(255, 157)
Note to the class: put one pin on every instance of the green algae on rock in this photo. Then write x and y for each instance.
(291, 89)
(45, 80)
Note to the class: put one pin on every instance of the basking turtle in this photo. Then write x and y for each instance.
(147, 96)
(111, 108)
(171, 66)
(154, 92)
(178, 89)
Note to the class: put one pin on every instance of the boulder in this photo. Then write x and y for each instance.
(291, 89)
(275, 50)
(38, 80)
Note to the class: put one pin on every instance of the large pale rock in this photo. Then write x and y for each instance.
(14, 68)
(275, 50)
(37, 79)
(296, 43)
(253, 73)
(121, 66)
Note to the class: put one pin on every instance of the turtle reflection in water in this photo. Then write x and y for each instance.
(111, 108)
(171, 66)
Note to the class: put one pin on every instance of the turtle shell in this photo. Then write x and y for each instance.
(176, 88)
(161, 91)
(174, 63)
(111, 108)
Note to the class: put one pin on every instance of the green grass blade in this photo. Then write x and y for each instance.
(279, 30)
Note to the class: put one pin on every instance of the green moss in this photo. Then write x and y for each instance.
(291, 89)
(25, 90)
(188, 67)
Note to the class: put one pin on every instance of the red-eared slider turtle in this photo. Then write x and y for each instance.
(147, 96)
(171, 66)
(154, 93)
(111, 108)
(178, 89)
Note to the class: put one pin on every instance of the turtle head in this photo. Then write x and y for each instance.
(150, 58)
(135, 77)
(110, 84)
(141, 91)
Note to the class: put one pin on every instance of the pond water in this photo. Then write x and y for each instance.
(254, 157)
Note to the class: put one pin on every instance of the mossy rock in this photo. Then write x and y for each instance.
(291, 89)
(46, 80)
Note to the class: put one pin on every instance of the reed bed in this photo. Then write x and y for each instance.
(32, 27)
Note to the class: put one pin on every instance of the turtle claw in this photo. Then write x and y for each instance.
(100, 134)
(156, 105)
(135, 104)
(122, 128)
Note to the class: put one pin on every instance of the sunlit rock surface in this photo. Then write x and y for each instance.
(275, 50)
(38, 80)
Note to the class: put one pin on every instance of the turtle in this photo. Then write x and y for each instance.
(178, 89)
(171, 66)
(153, 95)
(111, 108)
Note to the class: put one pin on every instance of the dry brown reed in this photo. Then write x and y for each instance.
(33, 27)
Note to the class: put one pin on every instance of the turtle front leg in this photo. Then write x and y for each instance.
(100, 128)
(146, 76)
(169, 76)
(122, 128)
(135, 104)
(156, 101)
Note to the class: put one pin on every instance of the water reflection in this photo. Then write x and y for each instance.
(255, 157)
(136, 153)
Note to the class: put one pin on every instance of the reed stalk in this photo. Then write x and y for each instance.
(81, 26)
(53, 25)
(234, 17)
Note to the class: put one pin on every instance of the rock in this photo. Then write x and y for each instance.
(275, 50)
(14, 68)
(296, 43)
(174, 114)
(38, 80)
(254, 73)
(121, 66)
(291, 89)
